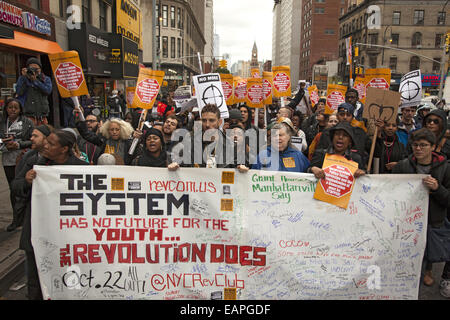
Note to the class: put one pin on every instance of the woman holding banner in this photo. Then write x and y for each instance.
(342, 141)
(289, 159)
(154, 153)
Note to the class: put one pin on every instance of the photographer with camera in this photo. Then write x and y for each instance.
(32, 89)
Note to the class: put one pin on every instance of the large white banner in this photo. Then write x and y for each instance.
(102, 232)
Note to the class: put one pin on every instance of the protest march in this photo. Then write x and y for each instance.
(220, 186)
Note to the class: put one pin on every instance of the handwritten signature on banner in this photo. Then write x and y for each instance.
(160, 243)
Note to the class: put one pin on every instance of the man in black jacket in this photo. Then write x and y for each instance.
(425, 161)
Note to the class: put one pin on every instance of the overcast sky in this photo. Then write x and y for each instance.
(239, 23)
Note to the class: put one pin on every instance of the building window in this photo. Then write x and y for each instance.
(329, 31)
(102, 15)
(441, 18)
(436, 65)
(172, 17)
(179, 18)
(86, 11)
(416, 39)
(393, 63)
(394, 38)
(179, 47)
(165, 47)
(396, 18)
(373, 61)
(414, 63)
(63, 5)
(164, 16)
(319, 10)
(373, 38)
(419, 17)
(172, 47)
(320, 1)
(35, 4)
(438, 40)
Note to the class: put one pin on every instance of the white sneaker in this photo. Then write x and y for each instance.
(444, 288)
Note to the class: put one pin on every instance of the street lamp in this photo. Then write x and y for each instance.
(384, 42)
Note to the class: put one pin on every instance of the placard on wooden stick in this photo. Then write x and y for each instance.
(381, 104)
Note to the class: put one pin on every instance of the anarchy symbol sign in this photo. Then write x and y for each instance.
(212, 95)
(410, 90)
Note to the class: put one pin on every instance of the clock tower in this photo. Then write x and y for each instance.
(254, 62)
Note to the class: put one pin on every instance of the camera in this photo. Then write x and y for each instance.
(31, 71)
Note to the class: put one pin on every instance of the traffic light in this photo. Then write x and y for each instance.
(356, 51)
(223, 64)
(447, 42)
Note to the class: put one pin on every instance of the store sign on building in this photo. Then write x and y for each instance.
(124, 57)
(431, 80)
(16, 16)
(129, 20)
(94, 47)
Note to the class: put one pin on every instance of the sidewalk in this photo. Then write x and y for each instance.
(11, 258)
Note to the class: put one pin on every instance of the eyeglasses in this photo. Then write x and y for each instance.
(420, 145)
(344, 113)
(90, 121)
(435, 121)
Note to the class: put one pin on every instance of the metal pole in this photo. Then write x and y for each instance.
(441, 83)
(154, 39)
(392, 48)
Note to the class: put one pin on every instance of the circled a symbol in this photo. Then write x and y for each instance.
(212, 95)
(409, 90)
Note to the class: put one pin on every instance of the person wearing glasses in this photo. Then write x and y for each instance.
(436, 122)
(32, 89)
(424, 160)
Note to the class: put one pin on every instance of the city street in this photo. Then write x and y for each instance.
(13, 287)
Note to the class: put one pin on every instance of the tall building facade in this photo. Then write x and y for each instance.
(416, 28)
(319, 33)
(209, 36)
(180, 30)
(286, 34)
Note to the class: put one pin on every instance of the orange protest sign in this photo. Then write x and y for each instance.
(68, 74)
(227, 86)
(281, 81)
(360, 86)
(339, 180)
(335, 96)
(254, 97)
(267, 87)
(240, 90)
(378, 78)
(313, 95)
(148, 84)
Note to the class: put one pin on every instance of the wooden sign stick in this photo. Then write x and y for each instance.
(372, 149)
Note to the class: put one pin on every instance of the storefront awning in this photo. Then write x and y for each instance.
(32, 43)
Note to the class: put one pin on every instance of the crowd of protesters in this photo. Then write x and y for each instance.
(299, 133)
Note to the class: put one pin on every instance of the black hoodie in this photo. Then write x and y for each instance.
(439, 199)
(442, 144)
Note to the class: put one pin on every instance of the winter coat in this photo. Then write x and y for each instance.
(289, 160)
(319, 157)
(440, 199)
(22, 129)
(386, 155)
(121, 147)
(33, 95)
(23, 190)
